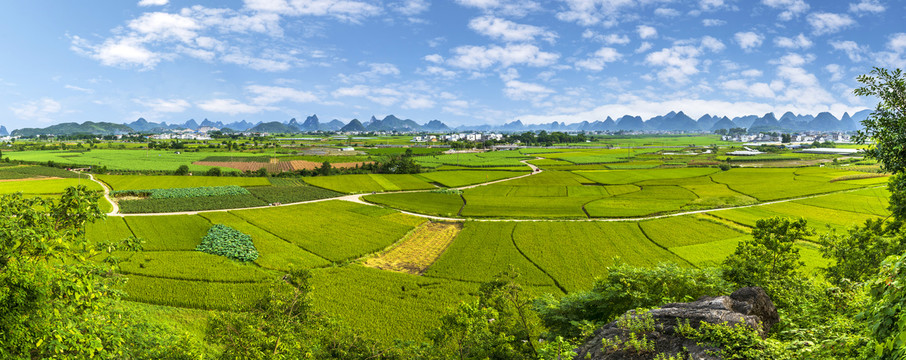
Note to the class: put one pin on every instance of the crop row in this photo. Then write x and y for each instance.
(144, 206)
(178, 193)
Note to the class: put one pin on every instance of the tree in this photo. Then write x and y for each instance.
(57, 301)
(214, 171)
(770, 255)
(786, 138)
(182, 170)
(857, 254)
(325, 168)
(885, 128)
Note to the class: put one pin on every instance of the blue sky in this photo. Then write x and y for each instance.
(459, 61)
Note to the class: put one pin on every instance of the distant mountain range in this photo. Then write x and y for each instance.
(672, 121)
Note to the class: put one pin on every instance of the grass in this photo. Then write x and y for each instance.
(421, 202)
(274, 252)
(417, 251)
(483, 250)
(335, 230)
(138, 182)
(170, 232)
(575, 253)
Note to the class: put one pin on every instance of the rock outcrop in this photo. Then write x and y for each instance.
(750, 306)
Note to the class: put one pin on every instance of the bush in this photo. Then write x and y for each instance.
(724, 166)
(214, 171)
(182, 170)
(225, 241)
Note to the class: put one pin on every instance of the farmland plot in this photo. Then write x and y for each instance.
(634, 176)
(774, 184)
(384, 304)
(332, 229)
(170, 232)
(419, 250)
(483, 250)
(649, 200)
(363, 183)
(193, 265)
(862, 201)
(137, 182)
(111, 229)
(468, 177)
(686, 230)
(208, 295)
(432, 203)
(575, 253)
(274, 252)
(818, 218)
(47, 186)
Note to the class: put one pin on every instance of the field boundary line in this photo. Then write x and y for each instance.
(645, 234)
(513, 239)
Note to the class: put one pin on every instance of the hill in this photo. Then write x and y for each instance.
(88, 127)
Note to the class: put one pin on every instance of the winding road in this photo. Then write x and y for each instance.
(357, 198)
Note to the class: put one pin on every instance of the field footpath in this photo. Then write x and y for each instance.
(357, 198)
(116, 208)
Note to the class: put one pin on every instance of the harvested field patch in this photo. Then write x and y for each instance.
(417, 251)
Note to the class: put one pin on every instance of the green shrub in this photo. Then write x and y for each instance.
(225, 241)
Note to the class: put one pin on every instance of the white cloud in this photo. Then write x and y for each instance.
(122, 52)
(231, 106)
(502, 29)
(666, 12)
(79, 89)
(438, 71)
(713, 22)
(517, 8)
(748, 40)
(837, 72)
(712, 44)
(434, 58)
(381, 95)
(164, 105)
(752, 73)
(646, 32)
(39, 110)
(851, 48)
(791, 8)
(608, 13)
(161, 26)
(758, 89)
(266, 95)
(798, 42)
(480, 57)
(418, 103)
(518, 90)
(346, 10)
(897, 42)
(867, 6)
(412, 7)
(644, 47)
(829, 23)
(153, 2)
(257, 63)
(709, 5)
(600, 58)
(678, 63)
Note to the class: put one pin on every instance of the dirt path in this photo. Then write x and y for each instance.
(116, 208)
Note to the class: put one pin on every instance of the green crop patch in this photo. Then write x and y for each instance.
(291, 194)
(474, 160)
(852, 202)
(274, 252)
(481, 251)
(363, 183)
(193, 265)
(524, 207)
(154, 160)
(145, 206)
(708, 254)
(421, 202)
(617, 177)
(138, 182)
(686, 230)
(170, 232)
(225, 241)
(468, 177)
(25, 172)
(575, 253)
(45, 186)
(229, 190)
(399, 306)
(650, 200)
(564, 178)
(774, 184)
(109, 229)
(331, 229)
(818, 218)
(206, 295)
